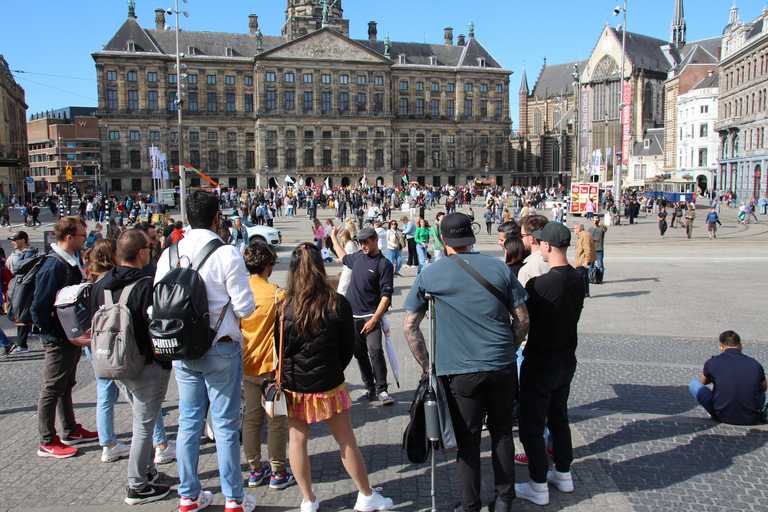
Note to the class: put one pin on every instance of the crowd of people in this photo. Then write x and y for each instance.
(503, 361)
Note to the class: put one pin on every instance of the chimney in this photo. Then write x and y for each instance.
(253, 23)
(372, 32)
(159, 19)
(448, 36)
(460, 40)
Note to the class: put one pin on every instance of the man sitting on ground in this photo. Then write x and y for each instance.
(738, 394)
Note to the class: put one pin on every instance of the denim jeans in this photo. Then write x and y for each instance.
(705, 397)
(395, 256)
(422, 252)
(439, 253)
(107, 394)
(216, 378)
(600, 263)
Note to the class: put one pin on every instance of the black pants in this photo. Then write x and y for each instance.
(471, 395)
(544, 401)
(59, 371)
(413, 258)
(585, 274)
(369, 353)
(22, 333)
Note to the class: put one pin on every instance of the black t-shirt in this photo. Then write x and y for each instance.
(736, 378)
(662, 216)
(558, 294)
(371, 280)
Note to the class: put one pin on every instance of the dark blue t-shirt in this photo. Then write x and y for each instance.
(473, 328)
(736, 378)
(371, 280)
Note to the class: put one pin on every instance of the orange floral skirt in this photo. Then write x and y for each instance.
(314, 407)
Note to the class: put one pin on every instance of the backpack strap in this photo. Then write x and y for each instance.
(203, 255)
(109, 294)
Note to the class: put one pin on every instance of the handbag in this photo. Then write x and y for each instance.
(272, 395)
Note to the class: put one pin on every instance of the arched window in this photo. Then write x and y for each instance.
(537, 122)
(647, 102)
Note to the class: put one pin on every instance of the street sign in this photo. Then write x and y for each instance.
(69, 172)
(30, 184)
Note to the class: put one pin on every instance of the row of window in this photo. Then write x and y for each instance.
(133, 76)
(703, 131)
(211, 135)
(746, 71)
(682, 159)
(191, 102)
(746, 105)
(136, 183)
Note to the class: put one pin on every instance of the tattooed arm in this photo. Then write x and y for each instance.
(415, 339)
(520, 323)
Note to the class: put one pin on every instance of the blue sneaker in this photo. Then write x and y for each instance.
(256, 479)
(277, 483)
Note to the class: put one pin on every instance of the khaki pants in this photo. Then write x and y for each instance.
(277, 428)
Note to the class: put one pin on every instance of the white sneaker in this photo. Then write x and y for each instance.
(114, 453)
(533, 492)
(248, 504)
(189, 505)
(562, 481)
(311, 506)
(167, 455)
(373, 502)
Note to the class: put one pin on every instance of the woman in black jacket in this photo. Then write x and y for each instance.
(318, 337)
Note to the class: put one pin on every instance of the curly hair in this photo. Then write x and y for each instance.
(258, 255)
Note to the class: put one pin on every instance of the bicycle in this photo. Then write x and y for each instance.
(475, 228)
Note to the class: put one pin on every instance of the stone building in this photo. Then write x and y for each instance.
(546, 142)
(310, 103)
(742, 108)
(61, 138)
(13, 133)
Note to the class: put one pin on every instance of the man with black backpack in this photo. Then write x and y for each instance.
(146, 390)
(216, 377)
(62, 267)
(22, 251)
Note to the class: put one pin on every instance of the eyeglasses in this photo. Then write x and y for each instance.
(78, 234)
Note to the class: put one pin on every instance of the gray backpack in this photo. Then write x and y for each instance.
(116, 355)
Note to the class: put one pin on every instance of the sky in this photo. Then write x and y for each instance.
(52, 41)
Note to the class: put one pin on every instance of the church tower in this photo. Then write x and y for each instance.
(305, 16)
(677, 36)
(523, 106)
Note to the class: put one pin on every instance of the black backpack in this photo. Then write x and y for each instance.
(595, 275)
(180, 326)
(21, 289)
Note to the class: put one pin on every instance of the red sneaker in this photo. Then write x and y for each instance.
(80, 436)
(56, 449)
(522, 458)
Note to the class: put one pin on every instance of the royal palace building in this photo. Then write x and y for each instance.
(310, 103)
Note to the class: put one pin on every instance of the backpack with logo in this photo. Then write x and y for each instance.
(21, 289)
(115, 353)
(180, 326)
(73, 309)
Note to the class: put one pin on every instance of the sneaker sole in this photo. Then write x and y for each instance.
(257, 483)
(113, 458)
(150, 499)
(165, 460)
(43, 453)
(280, 487)
(72, 442)
(535, 501)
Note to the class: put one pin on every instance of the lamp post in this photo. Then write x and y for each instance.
(577, 124)
(179, 105)
(617, 171)
(98, 176)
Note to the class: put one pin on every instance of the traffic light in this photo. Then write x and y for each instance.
(69, 172)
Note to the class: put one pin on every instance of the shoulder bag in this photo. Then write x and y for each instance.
(272, 395)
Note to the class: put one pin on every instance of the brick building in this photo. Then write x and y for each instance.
(13, 133)
(310, 103)
(61, 138)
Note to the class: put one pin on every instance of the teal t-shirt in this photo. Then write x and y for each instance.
(473, 328)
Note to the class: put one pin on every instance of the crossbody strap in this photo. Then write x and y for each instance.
(480, 279)
(279, 373)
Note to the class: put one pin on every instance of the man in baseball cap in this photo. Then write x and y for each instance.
(476, 345)
(555, 234)
(19, 235)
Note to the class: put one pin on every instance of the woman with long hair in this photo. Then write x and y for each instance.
(394, 250)
(514, 253)
(318, 232)
(422, 244)
(239, 235)
(318, 335)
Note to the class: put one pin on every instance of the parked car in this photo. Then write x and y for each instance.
(266, 233)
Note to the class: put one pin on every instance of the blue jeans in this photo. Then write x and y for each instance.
(705, 397)
(107, 394)
(215, 378)
(4, 340)
(395, 256)
(600, 263)
(422, 252)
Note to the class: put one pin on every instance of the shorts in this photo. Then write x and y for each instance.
(314, 407)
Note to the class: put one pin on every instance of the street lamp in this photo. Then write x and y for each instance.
(179, 104)
(622, 105)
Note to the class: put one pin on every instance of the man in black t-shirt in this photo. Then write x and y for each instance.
(739, 385)
(369, 294)
(549, 365)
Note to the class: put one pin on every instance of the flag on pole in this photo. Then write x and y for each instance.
(288, 179)
(301, 182)
(327, 184)
(405, 175)
(162, 168)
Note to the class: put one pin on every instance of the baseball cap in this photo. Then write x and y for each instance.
(366, 233)
(554, 233)
(17, 235)
(457, 230)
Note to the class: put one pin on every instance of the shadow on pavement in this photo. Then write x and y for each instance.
(633, 280)
(621, 295)
(639, 399)
(642, 431)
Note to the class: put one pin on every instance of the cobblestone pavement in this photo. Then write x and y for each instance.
(641, 441)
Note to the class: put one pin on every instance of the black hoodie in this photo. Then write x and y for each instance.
(114, 281)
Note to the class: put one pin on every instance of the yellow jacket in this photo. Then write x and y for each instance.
(259, 328)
